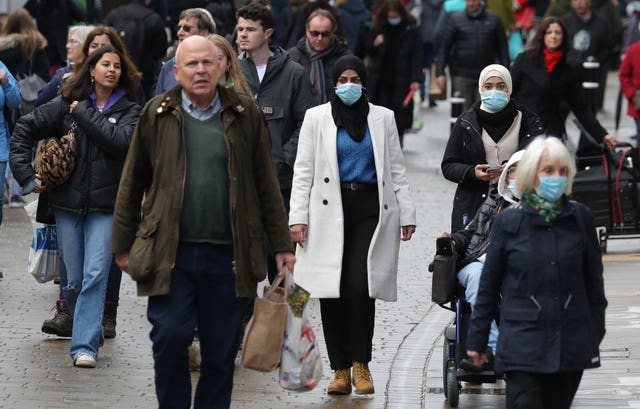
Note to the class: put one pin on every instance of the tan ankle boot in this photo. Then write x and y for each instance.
(341, 384)
(362, 378)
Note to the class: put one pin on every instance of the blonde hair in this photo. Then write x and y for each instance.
(233, 73)
(527, 171)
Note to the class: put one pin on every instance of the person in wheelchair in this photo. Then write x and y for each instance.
(471, 245)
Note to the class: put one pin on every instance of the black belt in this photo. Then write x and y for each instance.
(361, 187)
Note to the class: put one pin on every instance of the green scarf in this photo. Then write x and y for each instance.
(549, 210)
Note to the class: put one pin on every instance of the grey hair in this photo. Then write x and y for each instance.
(205, 20)
(80, 31)
(527, 171)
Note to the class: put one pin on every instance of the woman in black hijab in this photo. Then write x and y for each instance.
(350, 207)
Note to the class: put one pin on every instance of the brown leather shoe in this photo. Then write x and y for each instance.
(341, 384)
(362, 378)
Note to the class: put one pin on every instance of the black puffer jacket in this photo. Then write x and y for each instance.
(102, 143)
(465, 150)
(473, 240)
(470, 43)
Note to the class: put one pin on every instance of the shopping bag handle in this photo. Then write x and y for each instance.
(284, 276)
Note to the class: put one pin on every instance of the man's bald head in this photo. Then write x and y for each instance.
(196, 69)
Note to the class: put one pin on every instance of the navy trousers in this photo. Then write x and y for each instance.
(202, 294)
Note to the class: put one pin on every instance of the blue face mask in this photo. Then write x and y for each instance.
(349, 93)
(512, 188)
(494, 100)
(551, 187)
(394, 21)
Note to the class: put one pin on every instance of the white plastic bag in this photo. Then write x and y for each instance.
(301, 365)
(44, 258)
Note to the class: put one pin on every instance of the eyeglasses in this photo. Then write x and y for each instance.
(185, 28)
(324, 34)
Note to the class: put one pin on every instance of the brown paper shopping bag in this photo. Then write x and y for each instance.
(264, 335)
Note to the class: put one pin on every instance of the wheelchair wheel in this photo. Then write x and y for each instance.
(445, 364)
(453, 385)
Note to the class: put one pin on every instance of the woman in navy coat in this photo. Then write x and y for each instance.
(544, 267)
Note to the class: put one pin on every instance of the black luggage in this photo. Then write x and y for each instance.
(608, 185)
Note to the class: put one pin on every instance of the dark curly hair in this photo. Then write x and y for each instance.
(256, 12)
(79, 86)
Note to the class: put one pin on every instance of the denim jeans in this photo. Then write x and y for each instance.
(3, 169)
(203, 294)
(113, 282)
(85, 244)
(469, 277)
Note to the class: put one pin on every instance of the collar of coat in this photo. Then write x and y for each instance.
(172, 99)
(11, 40)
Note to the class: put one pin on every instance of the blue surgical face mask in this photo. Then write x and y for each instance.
(551, 187)
(349, 93)
(494, 100)
(394, 21)
(512, 188)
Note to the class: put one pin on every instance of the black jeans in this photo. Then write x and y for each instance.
(348, 321)
(527, 390)
(203, 294)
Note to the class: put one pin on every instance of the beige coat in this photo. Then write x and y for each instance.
(316, 202)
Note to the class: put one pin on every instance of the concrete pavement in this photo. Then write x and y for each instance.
(36, 370)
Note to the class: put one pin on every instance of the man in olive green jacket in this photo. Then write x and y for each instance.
(198, 195)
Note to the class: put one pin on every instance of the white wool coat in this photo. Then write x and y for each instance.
(316, 201)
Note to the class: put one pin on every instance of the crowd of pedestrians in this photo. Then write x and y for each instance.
(217, 143)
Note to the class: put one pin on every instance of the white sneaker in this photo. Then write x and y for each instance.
(84, 360)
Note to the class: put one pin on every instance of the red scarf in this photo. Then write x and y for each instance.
(552, 58)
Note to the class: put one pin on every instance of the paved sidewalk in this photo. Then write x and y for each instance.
(36, 370)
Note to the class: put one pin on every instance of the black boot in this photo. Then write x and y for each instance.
(109, 319)
(61, 324)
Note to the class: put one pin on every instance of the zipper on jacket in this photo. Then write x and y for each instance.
(471, 126)
(184, 180)
(228, 143)
(566, 304)
(533, 298)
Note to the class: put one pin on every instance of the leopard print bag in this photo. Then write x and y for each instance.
(56, 157)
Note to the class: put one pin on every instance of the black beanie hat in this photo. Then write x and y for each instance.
(350, 62)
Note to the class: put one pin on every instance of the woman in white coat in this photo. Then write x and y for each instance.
(350, 207)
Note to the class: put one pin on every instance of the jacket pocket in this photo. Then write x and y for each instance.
(257, 251)
(580, 336)
(521, 334)
(142, 257)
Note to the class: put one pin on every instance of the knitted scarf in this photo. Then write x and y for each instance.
(497, 123)
(549, 210)
(316, 75)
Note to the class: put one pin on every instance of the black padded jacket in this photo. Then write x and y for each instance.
(102, 143)
(471, 42)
